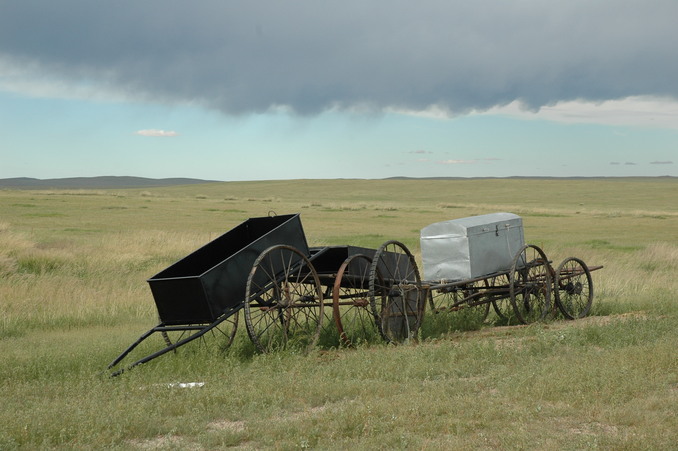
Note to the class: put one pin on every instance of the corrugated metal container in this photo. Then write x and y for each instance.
(470, 247)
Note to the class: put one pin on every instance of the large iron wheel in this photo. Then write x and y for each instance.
(351, 308)
(283, 301)
(574, 288)
(530, 284)
(395, 292)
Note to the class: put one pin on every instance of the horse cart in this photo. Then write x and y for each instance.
(291, 294)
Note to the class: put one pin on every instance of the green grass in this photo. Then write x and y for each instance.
(73, 295)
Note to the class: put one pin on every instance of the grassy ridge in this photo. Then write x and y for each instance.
(73, 265)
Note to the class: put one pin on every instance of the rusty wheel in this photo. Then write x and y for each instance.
(223, 332)
(444, 300)
(530, 285)
(457, 298)
(227, 329)
(351, 308)
(283, 301)
(574, 288)
(395, 292)
(501, 302)
(504, 310)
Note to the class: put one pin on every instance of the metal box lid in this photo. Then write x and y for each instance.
(471, 247)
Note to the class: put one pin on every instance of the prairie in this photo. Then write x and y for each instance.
(73, 295)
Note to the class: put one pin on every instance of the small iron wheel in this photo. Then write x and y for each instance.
(452, 299)
(227, 328)
(530, 285)
(501, 304)
(574, 288)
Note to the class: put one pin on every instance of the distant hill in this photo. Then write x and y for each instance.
(103, 182)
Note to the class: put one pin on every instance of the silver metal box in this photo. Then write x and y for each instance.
(470, 247)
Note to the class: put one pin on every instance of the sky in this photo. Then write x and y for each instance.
(264, 90)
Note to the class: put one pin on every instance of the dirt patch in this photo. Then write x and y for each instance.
(306, 413)
(594, 429)
(225, 425)
(599, 320)
(504, 336)
(164, 442)
(565, 324)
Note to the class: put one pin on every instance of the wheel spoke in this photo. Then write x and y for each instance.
(395, 297)
(290, 306)
(530, 285)
(574, 288)
(351, 307)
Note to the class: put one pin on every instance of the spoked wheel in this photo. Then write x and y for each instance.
(227, 329)
(504, 309)
(351, 308)
(574, 288)
(395, 287)
(466, 296)
(445, 300)
(501, 304)
(222, 333)
(166, 338)
(283, 301)
(530, 285)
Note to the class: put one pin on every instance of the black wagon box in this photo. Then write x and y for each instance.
(212, 280)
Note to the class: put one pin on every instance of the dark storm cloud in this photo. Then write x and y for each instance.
(310, 55)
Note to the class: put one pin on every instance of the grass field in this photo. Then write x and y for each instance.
(73, 295)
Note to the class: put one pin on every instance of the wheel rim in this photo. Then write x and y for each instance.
(574, 288)
(221, 331)
(530, 285)
(395, 292)
(283, 301)
(351, 308)
(466, 296)
(442, 301)
(227, 329)
(501, 304)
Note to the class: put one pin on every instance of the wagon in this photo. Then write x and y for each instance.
(289, 293)
(483, 261)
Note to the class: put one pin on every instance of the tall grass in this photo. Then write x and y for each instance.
(73, 295)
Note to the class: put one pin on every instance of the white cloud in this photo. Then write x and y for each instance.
(154, 132)
(36, 81)
(458, 161)
(474, 161)
(640, 111)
